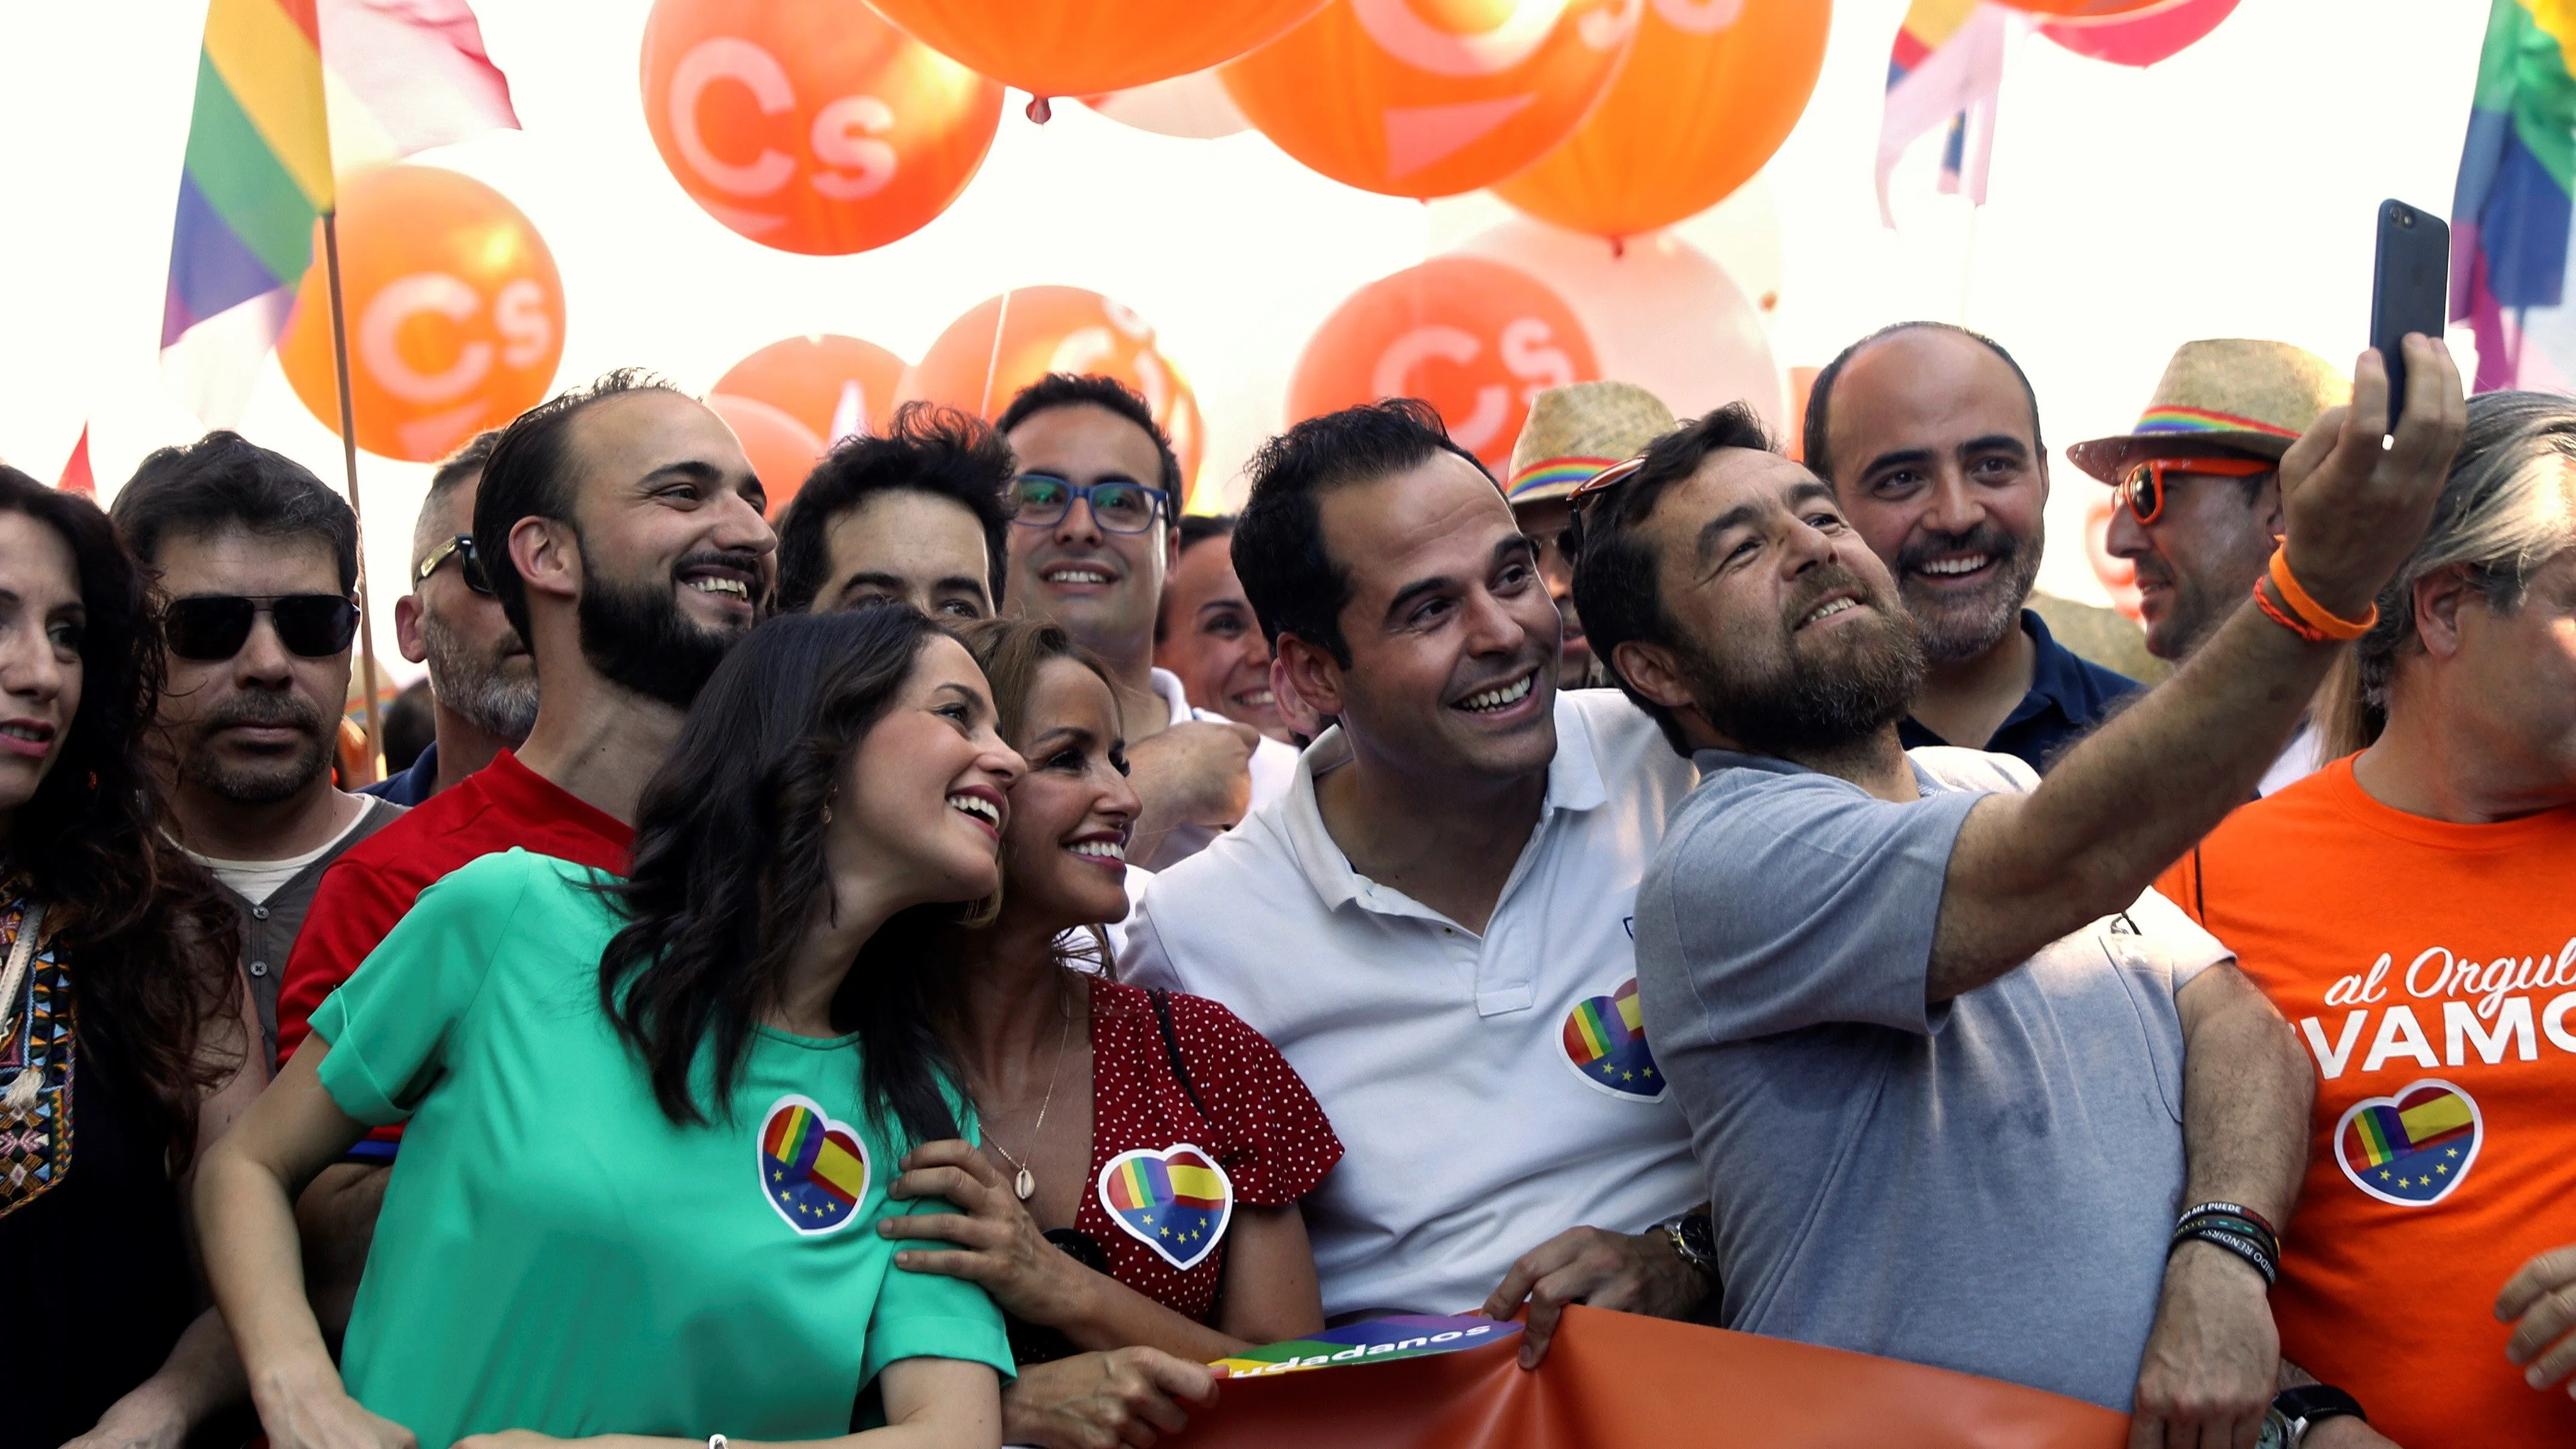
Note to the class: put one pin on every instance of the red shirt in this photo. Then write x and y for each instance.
(502, 805)
(1166, 1173)
(2430, 970)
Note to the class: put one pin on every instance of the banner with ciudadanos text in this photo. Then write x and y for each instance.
(1619, 1381)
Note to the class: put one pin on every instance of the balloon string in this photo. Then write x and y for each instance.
(993, 358)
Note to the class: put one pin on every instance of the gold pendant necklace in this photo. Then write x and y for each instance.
(1025, 1185)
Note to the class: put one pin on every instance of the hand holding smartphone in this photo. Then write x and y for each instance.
(2409, 289)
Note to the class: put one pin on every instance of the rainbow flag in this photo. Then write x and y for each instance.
(2510, 213)
(1947, 66)
(257, 176)
(402, 76)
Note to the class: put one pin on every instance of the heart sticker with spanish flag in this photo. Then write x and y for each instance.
(2411, 1148)
(813, 1170)
(1176, 1201)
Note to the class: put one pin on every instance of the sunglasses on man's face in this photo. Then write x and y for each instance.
(209, 628)
(2143, 487)
(469, 564)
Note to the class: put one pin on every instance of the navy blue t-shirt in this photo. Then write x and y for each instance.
(2069, 695)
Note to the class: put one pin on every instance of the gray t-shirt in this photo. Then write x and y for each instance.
(1985, 1185)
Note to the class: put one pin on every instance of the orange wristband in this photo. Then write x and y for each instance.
(2273, 612)
(2309, 611)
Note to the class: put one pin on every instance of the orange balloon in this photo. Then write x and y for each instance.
(1710, 90)
(1474, 338)
(1431, 97)
(810, 126)
(982, 361)
(822, 380)
(456, 313)
(1085, 47)
(782, 450)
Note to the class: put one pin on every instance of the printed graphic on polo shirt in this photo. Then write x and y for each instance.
(1605, 1044)
(813, 1170)
(2414, 1148)
(1176, 1201)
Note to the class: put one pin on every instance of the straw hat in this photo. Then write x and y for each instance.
(2232, 394)
(1576, 431)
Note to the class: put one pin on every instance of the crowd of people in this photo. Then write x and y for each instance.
(943, 964)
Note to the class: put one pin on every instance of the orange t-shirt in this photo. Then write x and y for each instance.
(2430, 970)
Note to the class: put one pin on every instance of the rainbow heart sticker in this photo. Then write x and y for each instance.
(1605, 1043)
(2413, 1148)
(1176, 1201)
(813, 1170)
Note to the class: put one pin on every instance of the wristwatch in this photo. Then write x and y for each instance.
(2309, 1405)
(1694, 1241)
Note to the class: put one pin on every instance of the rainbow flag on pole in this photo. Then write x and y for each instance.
(401, 76)
(1947, 66)
(258, 175)
(2510, 214)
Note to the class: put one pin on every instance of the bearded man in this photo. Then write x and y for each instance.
(622, 531)
(1966, 1091)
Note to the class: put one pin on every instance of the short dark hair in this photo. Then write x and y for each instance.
(528, 475)
(1289, 578)
(942, 451)
(411, 726)
(224, 480)
(466, 462)
(1617, 579)
(1820, 394)
(1069, 390)
(1196, 529)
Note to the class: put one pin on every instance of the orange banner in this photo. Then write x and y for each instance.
(1618, 1381)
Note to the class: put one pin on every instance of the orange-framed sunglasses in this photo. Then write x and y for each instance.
(2143, 487)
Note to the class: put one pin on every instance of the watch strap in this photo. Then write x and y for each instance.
(2309, 1403)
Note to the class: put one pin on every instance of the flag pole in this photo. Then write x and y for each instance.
(349, 458)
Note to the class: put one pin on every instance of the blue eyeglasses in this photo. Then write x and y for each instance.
(1041, 500)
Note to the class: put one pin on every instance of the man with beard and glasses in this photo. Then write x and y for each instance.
(621, 529)
(256, 563)
(1929, 435)
(2199, 507)
(482, 685)
(1432, 923)
(1966, 1091)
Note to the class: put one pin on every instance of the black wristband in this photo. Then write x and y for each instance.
(2236, 1243)
(2309, 1403)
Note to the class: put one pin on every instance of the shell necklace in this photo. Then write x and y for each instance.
(1025, 1185)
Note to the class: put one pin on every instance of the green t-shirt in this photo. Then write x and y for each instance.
(555, 1254)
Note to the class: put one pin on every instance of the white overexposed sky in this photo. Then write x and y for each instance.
(2227, 192)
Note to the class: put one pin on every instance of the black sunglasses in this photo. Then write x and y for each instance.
(211, 627)
(469, 565)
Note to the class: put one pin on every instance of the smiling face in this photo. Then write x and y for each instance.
(259, 727)
(1212, 640)
(917, 548)
(1453, 638)
(675, 554)
(925, 797)
(1064, 853)
(1792, 642)
(2201, 556)
(1936, 465)
(1103, 587)
(41, 623)
(1544, 521)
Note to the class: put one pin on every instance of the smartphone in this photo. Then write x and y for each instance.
(2410, 289)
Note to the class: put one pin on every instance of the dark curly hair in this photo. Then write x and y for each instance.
(728, 865)
(930, 449)
(150, 943)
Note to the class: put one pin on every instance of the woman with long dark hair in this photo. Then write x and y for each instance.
(125, 1034)
(1133, 1205)
(652, 1122)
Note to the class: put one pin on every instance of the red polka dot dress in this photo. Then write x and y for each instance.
(1171, 1159)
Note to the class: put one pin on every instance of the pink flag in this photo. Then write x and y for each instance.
(76, 475)
(405, 75)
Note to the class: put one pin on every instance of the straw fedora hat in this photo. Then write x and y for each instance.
(1576, 431)
(2230, 394)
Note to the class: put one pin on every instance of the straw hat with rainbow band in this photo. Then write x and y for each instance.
(2226, 395)
(1576, 431)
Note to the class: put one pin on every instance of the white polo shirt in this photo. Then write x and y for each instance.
(1486, 1090)
(1273, 764)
